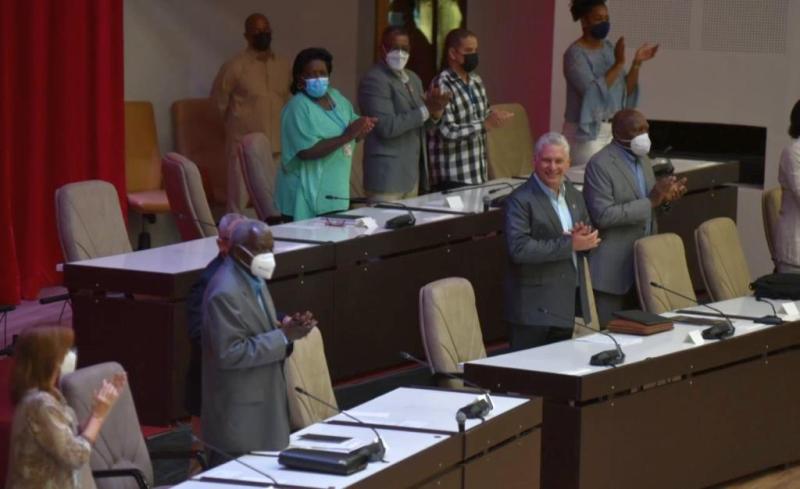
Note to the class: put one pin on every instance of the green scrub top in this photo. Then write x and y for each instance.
(302, 185)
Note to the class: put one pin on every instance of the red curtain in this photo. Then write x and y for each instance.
(61, 121)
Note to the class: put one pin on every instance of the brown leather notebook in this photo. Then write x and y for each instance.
(618, 325)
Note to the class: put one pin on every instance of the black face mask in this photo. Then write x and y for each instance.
(262, 41)
(470, 62)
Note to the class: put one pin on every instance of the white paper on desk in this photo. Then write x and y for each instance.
(599, 339)
(237, 473)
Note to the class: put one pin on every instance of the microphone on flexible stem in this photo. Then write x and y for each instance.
(234, 459)
(606, 358)
(774, 319)
(477, 409)
(464, 188)
(397, 222)
(377, 450)
(716, 332)
(509, 185)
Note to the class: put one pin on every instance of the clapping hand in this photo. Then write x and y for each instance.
(298, 325)
(497, 118)
(360, 127)
(645, 52)
(436, 100)
(584, 238)
(108, 394)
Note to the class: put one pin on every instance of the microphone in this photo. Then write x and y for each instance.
(479, 408)
(716, 332)
(512, 187)
(606, 358)
(396, 222)
(231, 457)
(774, 319)
(472, 187)
(376, 451)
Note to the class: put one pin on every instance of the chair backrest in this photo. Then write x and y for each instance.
(451, 330)
(770, 211)
(142, 155)
(662, 259)
(307, 368)
(721, 258)
(357, 172)
(89, 221)
(594, 322)
(120, 443)
(199, 134)
(187, 199)
(510, 148)
(259, 171)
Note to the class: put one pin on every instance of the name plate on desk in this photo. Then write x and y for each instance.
(454, 202)
(790, 309)
(695, 338)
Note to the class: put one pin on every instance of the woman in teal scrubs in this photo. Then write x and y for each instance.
(319, 129)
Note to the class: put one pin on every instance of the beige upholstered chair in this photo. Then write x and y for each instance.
(143, 166)
(770, 211)
(187, 199)
(199, 134)
(259, 171)
(510, 148)
(357, 172)
(89, 221)
(307, 368)
(662, 259)
(594, 323)
(120, 447)
(451, 330)
(722, 262)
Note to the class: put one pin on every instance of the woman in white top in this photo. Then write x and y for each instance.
(787, 236)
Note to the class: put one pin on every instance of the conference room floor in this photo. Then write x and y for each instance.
(31, 313)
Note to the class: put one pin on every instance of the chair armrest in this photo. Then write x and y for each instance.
(137, 475)
(180, 454)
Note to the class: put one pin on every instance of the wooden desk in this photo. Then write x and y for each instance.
(674, 415)
(363, 287)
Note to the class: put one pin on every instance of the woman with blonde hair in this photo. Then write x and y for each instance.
(48, 448)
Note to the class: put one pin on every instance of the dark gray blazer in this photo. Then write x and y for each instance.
(393, 149)
(541, 272)
(609, 188)
(245, 405)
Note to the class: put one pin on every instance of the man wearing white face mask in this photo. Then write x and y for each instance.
(622, 196)
(395, 154)
(245, 344)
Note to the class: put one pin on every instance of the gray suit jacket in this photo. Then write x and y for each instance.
(610, 190)
(392, 151)
(245, 405)
(541, 272)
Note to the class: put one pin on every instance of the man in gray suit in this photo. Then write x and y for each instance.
(245, 405)
(622, 194)
(546, 235)
(395, 157)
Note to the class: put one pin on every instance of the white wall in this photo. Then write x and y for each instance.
(173, 48)
(693, 84)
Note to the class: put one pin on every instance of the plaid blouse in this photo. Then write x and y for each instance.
(457, 145)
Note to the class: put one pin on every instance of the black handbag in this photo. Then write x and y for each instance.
(777, 286)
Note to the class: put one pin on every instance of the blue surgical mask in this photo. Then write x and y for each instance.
(600, 30)
(316, 87)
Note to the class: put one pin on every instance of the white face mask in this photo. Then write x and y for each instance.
(397, 59)
(640, 145)
(263, 265)
(69, 363)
